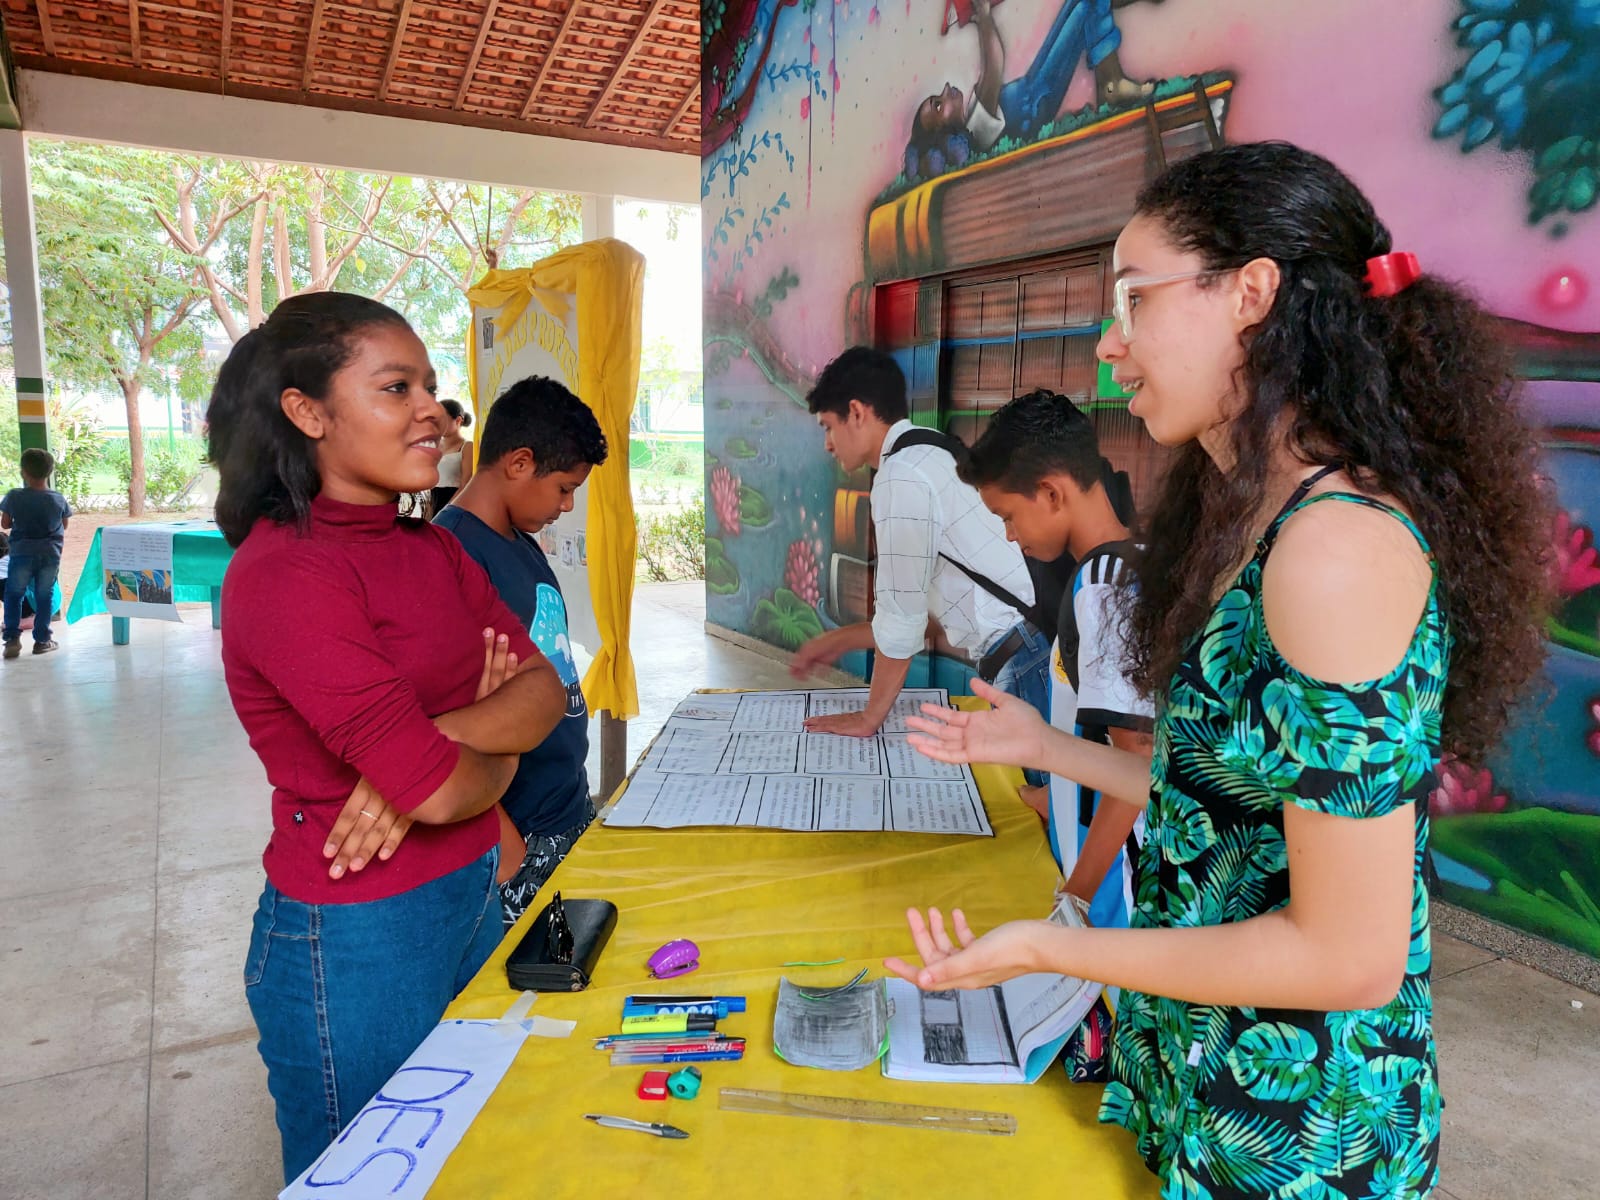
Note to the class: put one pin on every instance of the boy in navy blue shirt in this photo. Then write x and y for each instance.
(36, 518)
(538, 445)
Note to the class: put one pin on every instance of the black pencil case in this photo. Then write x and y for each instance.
(560, 950)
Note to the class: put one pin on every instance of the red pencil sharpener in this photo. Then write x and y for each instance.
(653, 1086)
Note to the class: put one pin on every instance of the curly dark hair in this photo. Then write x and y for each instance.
(1413, 393)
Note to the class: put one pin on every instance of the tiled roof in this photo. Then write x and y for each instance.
(624, 71)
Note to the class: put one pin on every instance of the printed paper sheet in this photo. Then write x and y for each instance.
(743, 759)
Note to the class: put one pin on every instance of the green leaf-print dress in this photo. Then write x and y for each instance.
(1280, 1103)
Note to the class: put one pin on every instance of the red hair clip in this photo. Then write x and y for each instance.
(1391, 273)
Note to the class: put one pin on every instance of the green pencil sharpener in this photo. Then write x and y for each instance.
(684, 1084)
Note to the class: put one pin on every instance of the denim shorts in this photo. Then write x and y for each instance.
(343, 993)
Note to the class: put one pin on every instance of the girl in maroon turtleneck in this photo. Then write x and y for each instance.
(365, 656)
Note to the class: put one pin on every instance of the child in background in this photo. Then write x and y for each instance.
(539, 443)
(36, 518)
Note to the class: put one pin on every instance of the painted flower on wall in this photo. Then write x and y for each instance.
(1577, 563)
(1464, 789)
(800, 572)
(725, 500)
(1594, 734)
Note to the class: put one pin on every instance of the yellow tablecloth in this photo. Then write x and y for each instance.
(753, 901)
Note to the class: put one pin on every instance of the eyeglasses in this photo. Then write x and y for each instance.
(558, 936)
(1122, 309)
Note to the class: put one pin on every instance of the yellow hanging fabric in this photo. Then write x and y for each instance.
(607, 277)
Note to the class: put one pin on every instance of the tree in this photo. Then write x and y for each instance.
(136, 245)
(116, 294)
(266, 231)
(477, 228)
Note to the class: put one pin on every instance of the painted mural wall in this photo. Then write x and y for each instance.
(1474, 125)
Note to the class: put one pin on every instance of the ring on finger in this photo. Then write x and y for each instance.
(365, 813)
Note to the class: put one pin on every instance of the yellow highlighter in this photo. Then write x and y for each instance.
(670, 1023)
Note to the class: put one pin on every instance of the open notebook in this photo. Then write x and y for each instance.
(1008, 1033)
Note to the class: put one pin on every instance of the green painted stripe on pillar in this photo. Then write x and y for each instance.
(27, 383)
(33, 434)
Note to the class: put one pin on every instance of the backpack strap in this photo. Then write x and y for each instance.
(917, 436)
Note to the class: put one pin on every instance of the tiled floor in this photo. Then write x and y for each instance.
(129, 868)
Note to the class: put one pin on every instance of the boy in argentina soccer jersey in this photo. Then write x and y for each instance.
(1038, 467)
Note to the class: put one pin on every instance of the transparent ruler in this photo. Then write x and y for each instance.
(866, 1112)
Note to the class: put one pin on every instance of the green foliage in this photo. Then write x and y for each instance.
(738, 447)
(114, 287)
(673, 545)
(168, 470)
(136, 245)
(785, 620)
(74, 441)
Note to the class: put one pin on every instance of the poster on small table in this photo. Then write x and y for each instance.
(136, 563)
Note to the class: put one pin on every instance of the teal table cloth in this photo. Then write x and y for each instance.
(200, 557)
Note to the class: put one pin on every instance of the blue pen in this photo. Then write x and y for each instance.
(646, 1006)
(629, 1058)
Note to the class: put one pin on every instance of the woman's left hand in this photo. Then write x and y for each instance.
(367, 826)
(499, 664)
(1003, 953)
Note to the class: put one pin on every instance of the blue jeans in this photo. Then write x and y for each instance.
(1082, 28)
(27, 570)
(1027, 675)
(343, 993)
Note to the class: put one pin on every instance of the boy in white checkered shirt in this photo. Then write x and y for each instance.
(933, 535)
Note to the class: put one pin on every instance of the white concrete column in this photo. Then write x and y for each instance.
(22, 276)
(599, 216)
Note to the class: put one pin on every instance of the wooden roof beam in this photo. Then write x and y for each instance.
(133, 30)
(394, 49)
(311, 46)
(544, 65)
(627, 57)
(694, 92)
(477, 52)
(45, 30)
(227, 37)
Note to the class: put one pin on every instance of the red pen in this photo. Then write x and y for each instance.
(718, 1043)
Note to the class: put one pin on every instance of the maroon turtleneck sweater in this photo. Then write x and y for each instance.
(338, 648)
